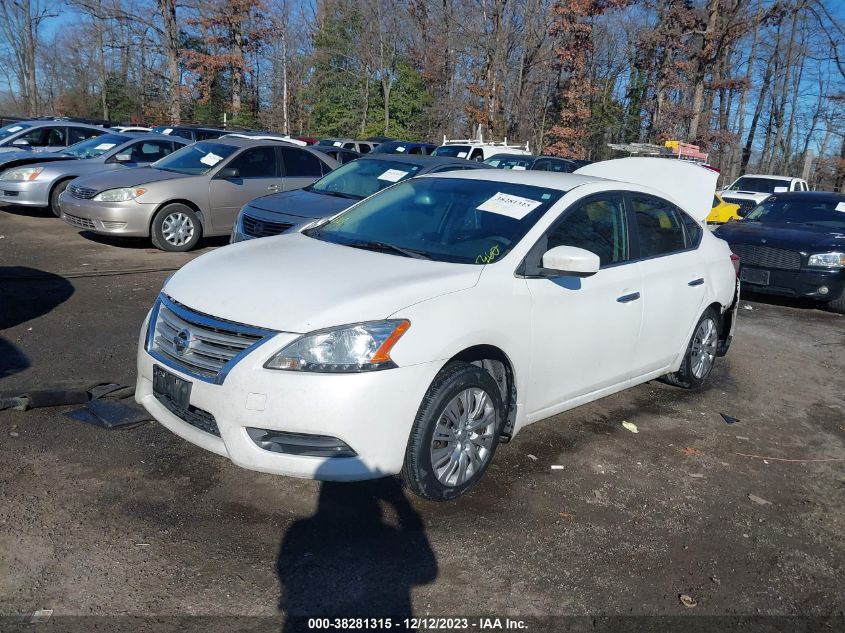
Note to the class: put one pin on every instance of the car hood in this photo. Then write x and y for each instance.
(792, 236)
(17, 159)
(302, 203)
(294, 283)
(128, 178)
(744, 195)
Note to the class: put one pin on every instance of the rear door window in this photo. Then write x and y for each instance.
(257, 162)
(150, 151)
(659, 227)
(77, 134)
(301, 164)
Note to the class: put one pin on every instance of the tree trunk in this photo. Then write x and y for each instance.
(749, 76)
(167, 8)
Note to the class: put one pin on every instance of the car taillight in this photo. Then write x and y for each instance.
(735, 262)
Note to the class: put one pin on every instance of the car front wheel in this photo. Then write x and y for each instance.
(176, 228)
(54, 197)
(455, 433)
(700, 355)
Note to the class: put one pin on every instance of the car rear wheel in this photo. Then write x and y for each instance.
(176, 228)
(455, 434)
(54, 197)
(700, 355)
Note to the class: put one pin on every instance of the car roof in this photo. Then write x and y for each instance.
(54, 122)
(240, 141)
(419, 159)
(546, 179)
(811, 195)
(769, 177)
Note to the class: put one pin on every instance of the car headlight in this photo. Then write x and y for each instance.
(119, 195)
(827, 260)
(349, 348)
(21, 173)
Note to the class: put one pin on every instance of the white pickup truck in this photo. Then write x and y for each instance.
(478, 149)
(751, 189)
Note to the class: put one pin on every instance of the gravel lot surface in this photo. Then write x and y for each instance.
(139, 522)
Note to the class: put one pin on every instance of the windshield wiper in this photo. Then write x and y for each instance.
(373, 245)
(337, 194)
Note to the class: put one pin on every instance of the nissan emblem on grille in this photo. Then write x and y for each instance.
(181, 341)
(258, 228)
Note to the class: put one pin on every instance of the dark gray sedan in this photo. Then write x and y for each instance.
(40, 182)
(276, 213)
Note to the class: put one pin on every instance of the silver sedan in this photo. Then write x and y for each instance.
(39, 184)
(195, 191)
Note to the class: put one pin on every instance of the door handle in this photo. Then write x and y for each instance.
(696, 282)
(628, 298)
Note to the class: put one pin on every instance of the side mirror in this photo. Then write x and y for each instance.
(570, 260)
(123, 158)
(781, 189)
(229, 173)
(21, 142)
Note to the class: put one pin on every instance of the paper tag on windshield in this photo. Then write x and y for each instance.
(840, 206)
(211, 159)
(518, 168)
(512, 206)
(17, 128)
(105, 146)
(401, 148)
(167, 131)
(393, 175)
(337, 143)
(462, 154)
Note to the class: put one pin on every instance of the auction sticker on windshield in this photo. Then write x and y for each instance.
(393, 175)
(840, 206)
(14, 129)
(515, 207)
(211, 159)
(105, 146)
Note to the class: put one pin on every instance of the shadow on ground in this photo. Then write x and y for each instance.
(359, 555)
(25, 294)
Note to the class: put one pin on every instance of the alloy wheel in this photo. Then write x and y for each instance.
(463, 437)
(703, 351)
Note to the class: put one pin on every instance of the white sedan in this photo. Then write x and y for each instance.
(416, 330)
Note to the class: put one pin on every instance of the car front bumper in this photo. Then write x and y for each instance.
(130, 218)
(372, 412)
(803, 283)
(26, 194)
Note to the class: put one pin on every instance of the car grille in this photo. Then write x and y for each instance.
(82, 192)
(198, 344)
(194, 416)
(767, 257)
(82, 223)
(255, 227)
(744, 204)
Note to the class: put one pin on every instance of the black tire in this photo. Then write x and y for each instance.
(160, 231)
(418, 472)
(54, 197)
(687, 377)
(837, 305)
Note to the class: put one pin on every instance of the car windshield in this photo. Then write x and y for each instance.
(455, 151)
(330, 141)
(810, 211)
(444, 219)
(162, 129)
(361, 178)
(760, 185)
(10, 129)
(518, 163)
(395, 147)
(196, 159)
(93, 147)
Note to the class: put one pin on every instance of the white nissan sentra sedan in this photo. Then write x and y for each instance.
(414, 331)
